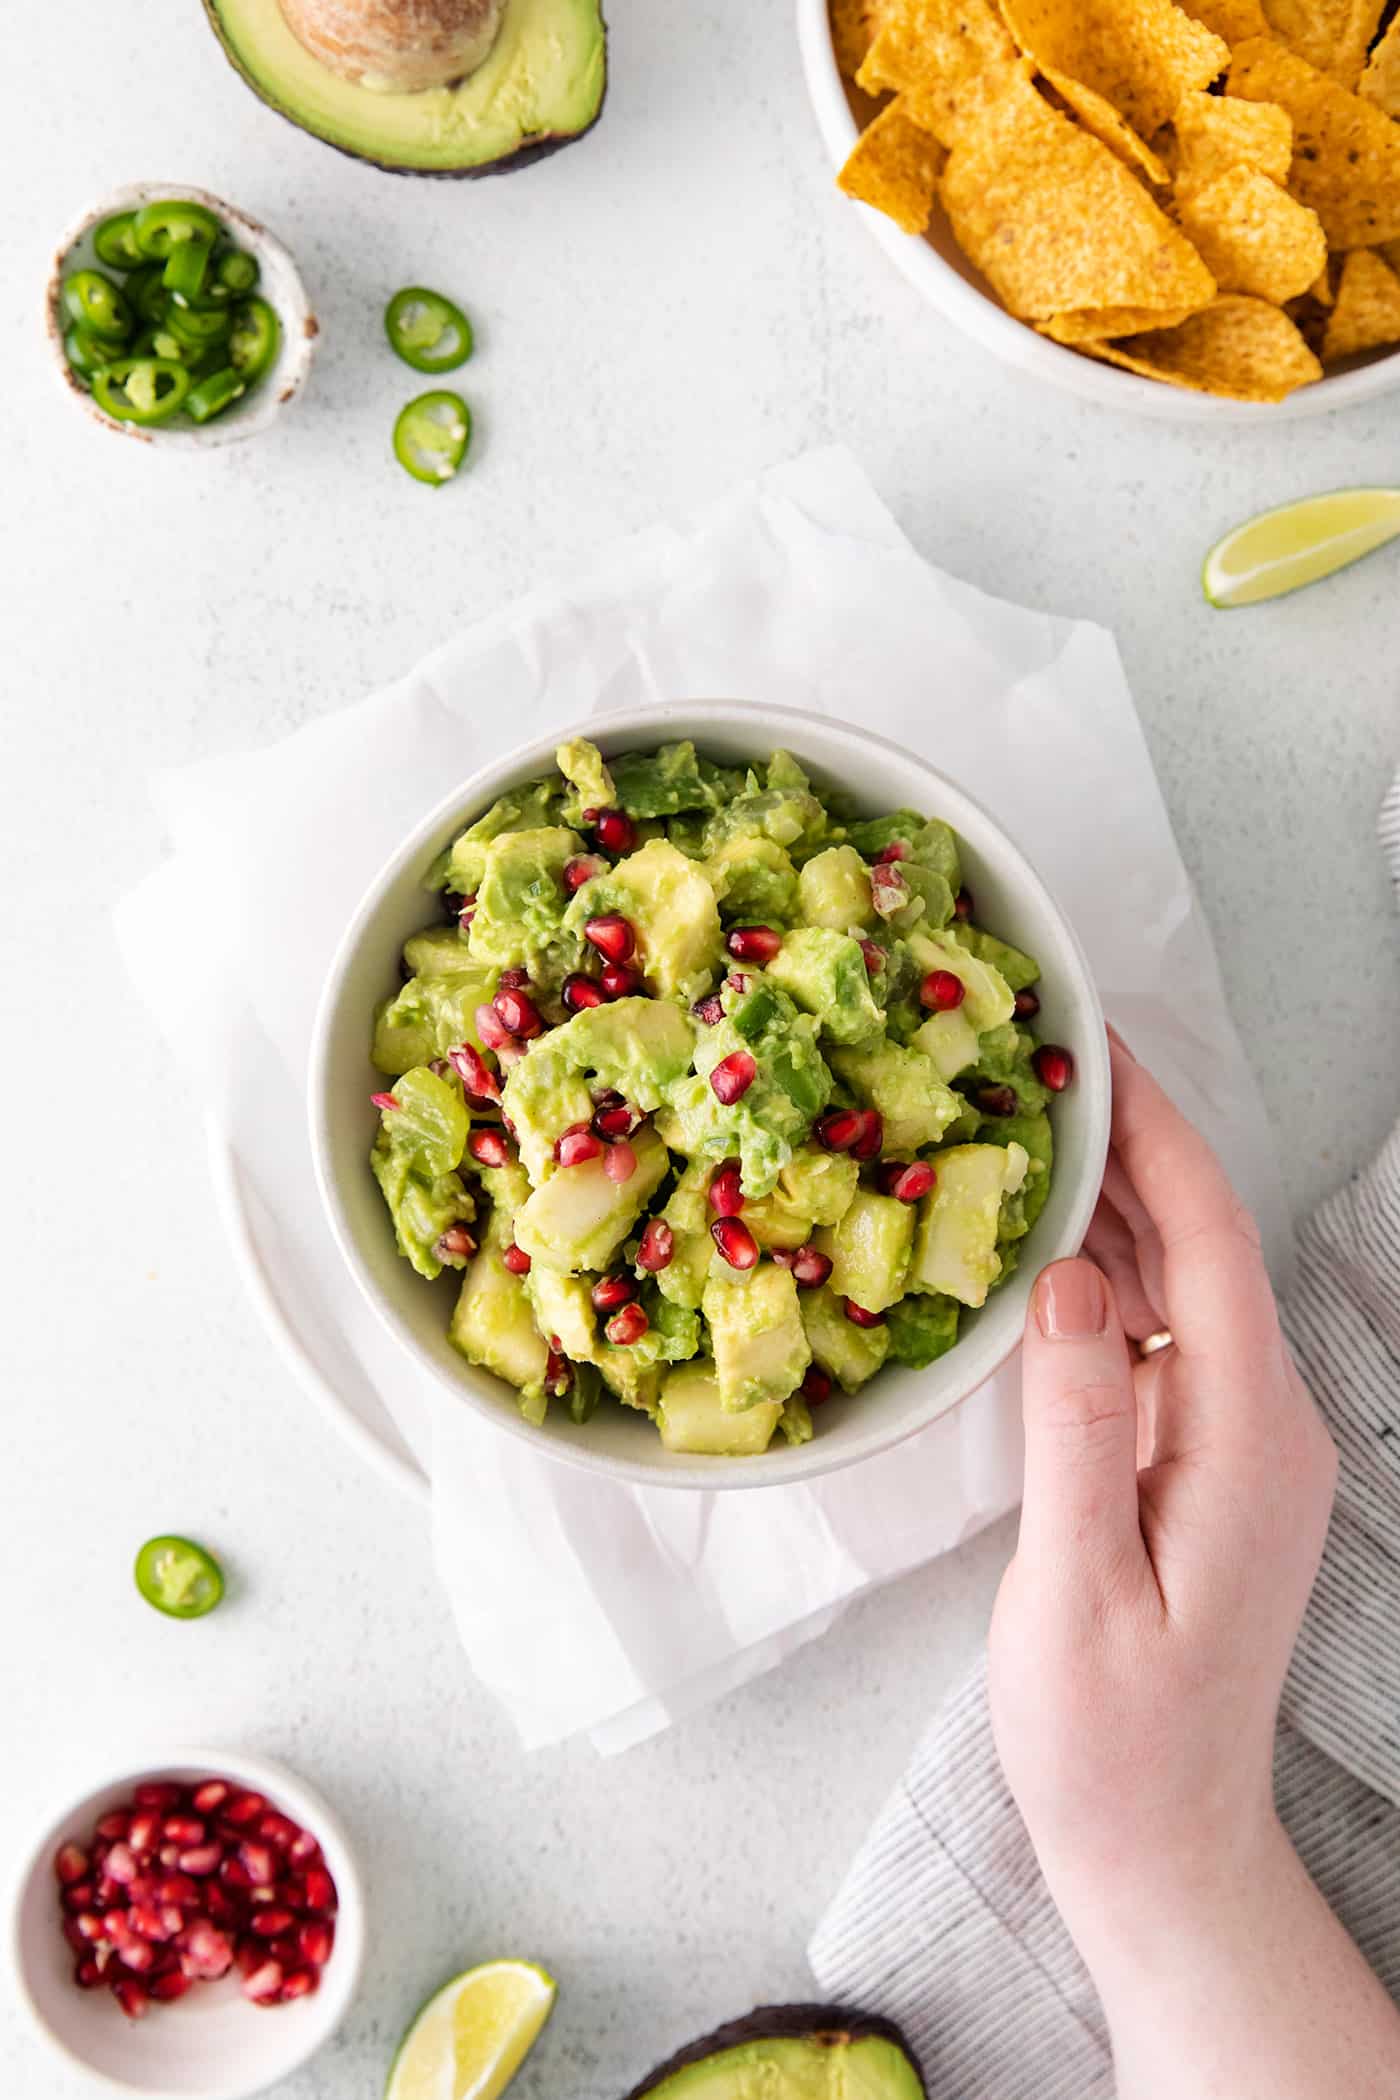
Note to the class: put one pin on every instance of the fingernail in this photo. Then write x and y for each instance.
(1071, 1304)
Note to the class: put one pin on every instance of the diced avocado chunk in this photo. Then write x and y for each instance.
(775, 1223)
(673, 1331)
(506, 1188)
(949, 1040)
(629, 1378)
(922, 1327)
(438, 951)
(824, 972)
(639, 1046)
(683, 1278)
(461, 868)
(671, 909)
(692, 1419)
(1004, 1059)
(790, 1088)
(543, 1095)
(428, 1017)
(988, 999)
(756, 1332)
(915, 1106)
(754, 882)
(579, 1217)
(428, 1122)
(791, 816)
(521, 899)
(562, 1306)
(849, 1353)
(1019, 969)
(422, 1207)
(869, 1250)
(1038, 1138)
(834, 890)
(493, 1326)
(932, 843)
(581, 764)
(660, 783)
(820, 1184)
(955, 1242)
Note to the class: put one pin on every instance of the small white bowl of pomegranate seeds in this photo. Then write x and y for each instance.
(192, 1929)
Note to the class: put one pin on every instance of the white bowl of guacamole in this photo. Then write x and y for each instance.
(698, 1092)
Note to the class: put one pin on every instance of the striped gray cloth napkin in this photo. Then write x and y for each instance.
(944, 1923)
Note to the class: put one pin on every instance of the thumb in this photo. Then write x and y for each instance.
(1080, 1413)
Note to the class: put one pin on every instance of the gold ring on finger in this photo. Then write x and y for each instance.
(1151, 1343)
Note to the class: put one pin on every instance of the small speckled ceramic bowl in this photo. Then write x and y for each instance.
(279, 283)
(211, 2044)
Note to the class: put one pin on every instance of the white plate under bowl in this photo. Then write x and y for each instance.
(942, 274)
(1011, 898)
(211, 2044)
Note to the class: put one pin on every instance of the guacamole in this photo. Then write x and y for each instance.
(713, 1090)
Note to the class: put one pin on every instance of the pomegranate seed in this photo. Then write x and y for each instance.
(737, 982)
(268, 1924)
(874, 957)
(816, 1386)
(131, 1997)
(520, 1014)
(942, 990)
(907, 1183)
(78, 1895)
(264, 1984)
(1053, 1067)
(619, 980)
(245, 1808)
(627, 1326)
(305, 1848)
(657, 1246)
(115, 1825)
(515, 1259)
(455, 1244)
(87, 1973)
(88, 1927)
(320, 1890)
(179, 1888)
(75, 1936)
(315, 1938)
(150, 1924)
(108, 1893)
(733, 1076)
(611, 935)
(997, 1100)
(488, 1148)
(181, 1830)
(783, 1257)
(157, 1793)
(118, 1927)
(889, 892)
(558, 1371)
(169, 1855)
(173, 1984)
(142, 1889)
(479, 1080)
(384, 1102)
(121, 1864)
(897, 849)
(620, 1161)
(838, 1129)
(201, 1859)
(581, 869)
(962, 905)
(872, 1135)
(708, 1010)
(754, 943)
(137, 1956)
(1027, 1005)
(726, 1190)
(614, 831)
(234, 1875)
(616, 1119)
(466, 911)
(811, 1269)
(258, 1860)
(146, 1831)
(576, 1145)
(300, 1983)
(278, 1830)
(211, 1795)
(609, 1292)
(222, 1907)
(490, 1027)
(205, 1951)
(859, 1317)
(70, 1864)
(513, 981)
(735, 1242)
(580, 992)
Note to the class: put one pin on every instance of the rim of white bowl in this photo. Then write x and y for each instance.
(778, 1469)
(300, 328)
(1014, 342)
(287, 1789)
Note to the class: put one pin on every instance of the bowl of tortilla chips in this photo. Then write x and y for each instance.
(1190, 211)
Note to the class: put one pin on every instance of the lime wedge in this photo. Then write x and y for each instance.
(1283, 549)
(473, 2035)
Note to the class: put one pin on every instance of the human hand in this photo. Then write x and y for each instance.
(1174, 1516)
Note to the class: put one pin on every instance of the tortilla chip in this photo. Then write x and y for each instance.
(1242, 348)
(1232, 19)
(1141, 55)
(1367, 313)
(1252, 236)
(853, 24)
(933, 45)
(1051, 217)
(1321, 289)
(1215, 133)
(1380, 83)
(1333, 35)
(1100, 117)
(1099, 324)
(895, 166)
(1346, 152)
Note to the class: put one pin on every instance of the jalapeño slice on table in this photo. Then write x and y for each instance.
(431, 437)
(178, 1577)
(427, 331)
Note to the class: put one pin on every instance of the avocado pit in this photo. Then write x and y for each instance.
(396, 46)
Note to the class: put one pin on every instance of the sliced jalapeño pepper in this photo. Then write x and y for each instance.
(170, 221)
(234, 274)
(115, 241)
(145, 289)
(197, 324)
(140, 390)
(427, 331)
(431, 437)
(93, 302)
(178, 1577)
(186, 268)
(256, 339)
(87, 354)
(210, 397)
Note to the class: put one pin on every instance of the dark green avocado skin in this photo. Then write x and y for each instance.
(779, 2023)
(506, 163)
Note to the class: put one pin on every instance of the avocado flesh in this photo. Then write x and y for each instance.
(791, 2053)
(540, 86)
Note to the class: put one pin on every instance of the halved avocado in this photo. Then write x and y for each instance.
(792, 2052)
(540, 86)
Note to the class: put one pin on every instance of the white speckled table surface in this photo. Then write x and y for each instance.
(661, 310)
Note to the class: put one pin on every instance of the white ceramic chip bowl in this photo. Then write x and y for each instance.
(279, 283)
(1010, 899)
(942, 275)
(211, 2044)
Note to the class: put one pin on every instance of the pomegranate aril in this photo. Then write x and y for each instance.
(173, 1984)
(710, 1010)
(490, 1027)
(258, 1860)
(811, 1269)
(78, 1895)
(735, 1242)
(201, 1859)
(620, 1161)
(70, 1864)
(157, 1793)
(320, 1890)
(872, 1135)
(757, 944)
(73, 1932)
(205, 1951)
(515, 1259)
(285, 1948)
(300, 1983)
(558, 1371)
(909, 1183)
(609, 1292)
(131, 1997)
(859, 1317)
(520, 1014)
(838, 1129)
(304, 1848)
(480, 1082)
(264, 1985)
(627, 1326)
(136, 1955)
(87, 1972)
(177, 1888)
(169, 1855)
(225, 1907)
(148, 1828)
(581, 869)
(942, 990)
(234, 1875)
(996, 1100)
(614, 831)
(181, 1830)
(115, 1825)
(247, 1807)
(121, 1864)
(268, 1924)
(515, 980)
(816, 1386)
(488, 1148)
(150, 1924)
(1027, 1005)
(577, 1144)
(611, 935)
(726, 1192)
(456, 1244)
(733, 1076)
(1053, 1066)
(88, 1927)
(384, 1102)
(875, 957)
(656, 1247)
(784, 1257)
(315, 1938)
(117, 1926)
(897, 849)
(580, 992)
(619, 980)
(210, 1796)
(277, 1829)
(738, 983)
(889, 891)
(616, 1119)
(962, 905)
